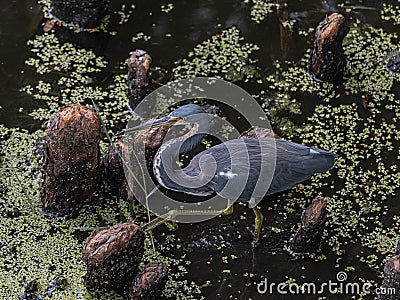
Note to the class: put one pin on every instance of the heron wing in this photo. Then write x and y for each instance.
(247, 168)
(296, 163)
(237, 169)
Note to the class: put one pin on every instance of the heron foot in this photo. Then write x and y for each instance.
(228, 210)
(259, 218)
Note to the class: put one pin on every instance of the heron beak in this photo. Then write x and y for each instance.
(164, 121)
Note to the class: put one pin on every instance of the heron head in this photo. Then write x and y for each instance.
(178, 116)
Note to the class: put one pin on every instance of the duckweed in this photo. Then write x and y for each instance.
(224, 56)
(261, 9)
(391, 13)
(359, 122)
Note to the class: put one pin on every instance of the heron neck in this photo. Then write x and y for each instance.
(170, 175)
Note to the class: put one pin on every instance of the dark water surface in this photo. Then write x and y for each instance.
(173, 35)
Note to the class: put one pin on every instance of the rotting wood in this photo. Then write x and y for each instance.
(82, 15)
(390, 289)
(112, 257)
(258, 132)
(327, 61)
(71, 166)
(308, 238)
(149, 284)
(139, 83)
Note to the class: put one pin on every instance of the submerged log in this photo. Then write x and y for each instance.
(112, 256)
(138, 76)
(286, 33)
(390, 289)
(327, 61)
(308, 238)
(149, 284)
(114, 168)
(71, 160)
(80, 14)
(393, 64)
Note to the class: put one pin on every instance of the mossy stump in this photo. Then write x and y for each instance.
(327, 61)
(112, 256)
(391, 281)
(138, 76)
(150, 283)
(71, 160)
(86, 14)
(308, 238)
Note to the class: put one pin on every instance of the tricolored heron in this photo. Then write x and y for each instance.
(294, 163)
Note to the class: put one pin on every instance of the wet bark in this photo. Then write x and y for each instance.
(391, 282)
(114, 169)
(87, 14)
(327, 61)
(115, 175)
(149, 284)
(393, 64)
(308, 238)
(112, 256)
(139, 83)
(71, 160)
(150, 141)
(258, 132)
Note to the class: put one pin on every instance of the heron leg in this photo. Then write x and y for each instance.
(257, 224)
(172, 214)
(228, 210)
(169, 216)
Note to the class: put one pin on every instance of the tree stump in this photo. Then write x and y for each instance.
(308, 238)
(71, 160)
(391, 282)
(112, 256)
(114, 168)
(393, 64)
(149, 284)
(327, 61)
(286, 33)
(258, 132)
(138, 76)
(86, 14)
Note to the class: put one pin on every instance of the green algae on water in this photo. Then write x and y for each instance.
(359, 122)
(67, 74)
(46, 250)
(261, 9)
(391, 13)
(224, 56)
